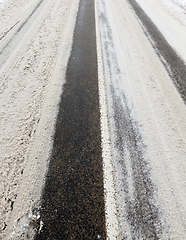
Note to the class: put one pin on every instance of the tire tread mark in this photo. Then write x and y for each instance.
(173, 63)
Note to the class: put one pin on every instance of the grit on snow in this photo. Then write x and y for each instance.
(35, 44)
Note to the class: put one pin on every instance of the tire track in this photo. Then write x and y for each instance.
(14, 45)
(73, 197)
(173, 63)
(30, 99)
(137, 214)
(8, 31)
(147, 129)
(14, 37)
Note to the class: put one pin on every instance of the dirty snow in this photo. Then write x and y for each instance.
(137, 83)
(32, 72)
(32, 75)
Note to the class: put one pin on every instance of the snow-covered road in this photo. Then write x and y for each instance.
(142, 87)
(147, 116)
(36, 38)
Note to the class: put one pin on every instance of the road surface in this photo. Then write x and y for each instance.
(139, 79)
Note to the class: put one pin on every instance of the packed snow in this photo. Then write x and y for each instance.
(35, 44)
(36, 38)
(147, 122)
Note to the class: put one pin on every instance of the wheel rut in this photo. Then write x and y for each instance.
(73, 197)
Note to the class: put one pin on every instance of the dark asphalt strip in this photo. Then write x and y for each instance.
(73, 197)
(173, 63)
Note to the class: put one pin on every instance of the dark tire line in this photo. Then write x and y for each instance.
(12, 42)
(5, 33)
(173, 63)
(135, 205)
(72, 205)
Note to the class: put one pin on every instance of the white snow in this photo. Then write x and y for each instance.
(134, 70)
(109, 191)
(32, 75)
(170, 18)
(182, 3)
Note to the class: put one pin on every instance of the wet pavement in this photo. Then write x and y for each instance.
(73, 197)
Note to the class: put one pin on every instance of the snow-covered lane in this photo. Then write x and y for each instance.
(39, 38)
(172, 61)
(169, 17)
(147, 129)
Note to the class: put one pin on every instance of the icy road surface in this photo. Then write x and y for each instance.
(142, 88)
